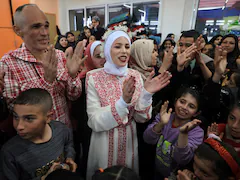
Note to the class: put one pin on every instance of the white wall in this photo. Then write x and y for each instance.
(175, 15)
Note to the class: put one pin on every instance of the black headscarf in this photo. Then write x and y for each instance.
(71, 44)
(58, 45)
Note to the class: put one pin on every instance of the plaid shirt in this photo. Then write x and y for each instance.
(23, 71)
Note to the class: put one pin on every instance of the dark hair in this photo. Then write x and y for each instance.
(214, 38)
(58, 30)
(205, 151)
(236, 72)
(189, 90)
(20, 8)
(58, 45)
(205, 38)
(232, 56)
(167, 39)
(62, 174)
(169, 35)
(211, 52)
(235, 105)
(116, 173)
(67, 33)
(190, 34)
(35, 96)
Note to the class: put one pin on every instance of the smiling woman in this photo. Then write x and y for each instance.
(116, 98)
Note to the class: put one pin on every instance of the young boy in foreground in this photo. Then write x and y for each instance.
(42, 145)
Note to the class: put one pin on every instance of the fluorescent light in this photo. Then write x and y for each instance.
(127, 6)
(209, 8)
(75, 23)
(141, 11)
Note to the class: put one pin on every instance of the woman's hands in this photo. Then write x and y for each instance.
(128, 89)
(155, 84)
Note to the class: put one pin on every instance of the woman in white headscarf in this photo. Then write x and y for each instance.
(143, 57)
(116, 98)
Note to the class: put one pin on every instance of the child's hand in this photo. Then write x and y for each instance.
(185, 175)
(213, 129)
(72, 164)
(189, 126)
(54, 167)
(164, 115)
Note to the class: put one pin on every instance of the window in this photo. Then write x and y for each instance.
(147, 13)
(218, 17)
(76, 19)
(116, 10)
(96, 11)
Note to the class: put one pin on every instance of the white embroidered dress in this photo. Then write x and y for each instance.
(114, 135)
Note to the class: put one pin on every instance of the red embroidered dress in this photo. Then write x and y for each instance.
(114, 136)
(23, 71)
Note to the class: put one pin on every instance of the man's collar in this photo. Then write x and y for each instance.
(24, 54)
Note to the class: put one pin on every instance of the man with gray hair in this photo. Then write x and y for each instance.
(96, 29)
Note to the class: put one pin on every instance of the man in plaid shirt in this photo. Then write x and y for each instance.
(38, 65)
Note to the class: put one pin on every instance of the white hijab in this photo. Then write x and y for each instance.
(93, 46)
(109, 66)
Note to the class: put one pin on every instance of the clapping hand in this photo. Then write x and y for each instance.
(128, 89)
(189, 126)
(74, 60)
(185, 175)
(200, 43)
(72, 164)
(213, 129)
(50, 63)
(185, 57)
(167, 60)
(164, 114)
(155, 84)
(220, 60)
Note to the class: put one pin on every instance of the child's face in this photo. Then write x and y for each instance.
(63, 41)
(167, 45)
(203, 169)
(186, 107)
(207, 48)
(231, 82)
(234, 122)
(92, 39)
(30, 121)
(87, 33)
(70, 38)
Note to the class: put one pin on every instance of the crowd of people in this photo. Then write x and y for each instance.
(109, 106)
